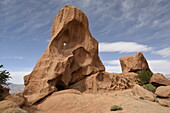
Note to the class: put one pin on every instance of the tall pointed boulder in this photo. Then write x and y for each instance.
(72, 54)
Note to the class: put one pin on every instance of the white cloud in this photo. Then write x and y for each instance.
(48, 40)
(12, 57)
(157, 66)
(41, 24)
(18, 76)
(160, 66)
(123, 47)
(164, 52)
(113, 69)
(127, 7)
(112, 62)
(112, 66)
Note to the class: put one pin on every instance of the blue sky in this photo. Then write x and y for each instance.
(122, 28)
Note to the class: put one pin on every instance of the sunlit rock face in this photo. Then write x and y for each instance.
(134, 63)
(72, 54)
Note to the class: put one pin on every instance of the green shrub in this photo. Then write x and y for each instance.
(18, 111)
(150, 87)
(115, 108)
(4, 77)
(142, 98)
(144, 76)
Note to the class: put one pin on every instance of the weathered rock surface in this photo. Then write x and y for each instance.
(7, 106)
(98, 82)
(163, 91)
(164, 102)
(17, 98)
(140, 91)
(67, 91)
(71, 55)
(159, 79)
(98, 103)
(104, 82)
(134, 63)
(3, 92)
(124, 81)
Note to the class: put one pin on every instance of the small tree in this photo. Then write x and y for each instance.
(4, 77)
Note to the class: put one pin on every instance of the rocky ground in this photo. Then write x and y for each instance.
(72, 101)
(135, 100)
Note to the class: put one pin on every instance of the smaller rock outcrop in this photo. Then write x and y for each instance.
(164, 102)
(7, 106)
(122, 81)
(98, 82)
(17, 98)
(163, 91)
(140, 91)
(159, 79)
(134, 63)
(104, 81)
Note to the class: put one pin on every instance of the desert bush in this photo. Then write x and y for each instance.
(150, 87)
(142, 98)
(18, 111)
(115, 108)
(4, 77)
(144, 76)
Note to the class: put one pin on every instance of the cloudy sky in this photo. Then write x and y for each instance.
(122, 28)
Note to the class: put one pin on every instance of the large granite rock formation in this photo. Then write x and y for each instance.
(71, 55)
(134, 63)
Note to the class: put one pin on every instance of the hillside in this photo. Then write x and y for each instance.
(167, 76)
(16, 88)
